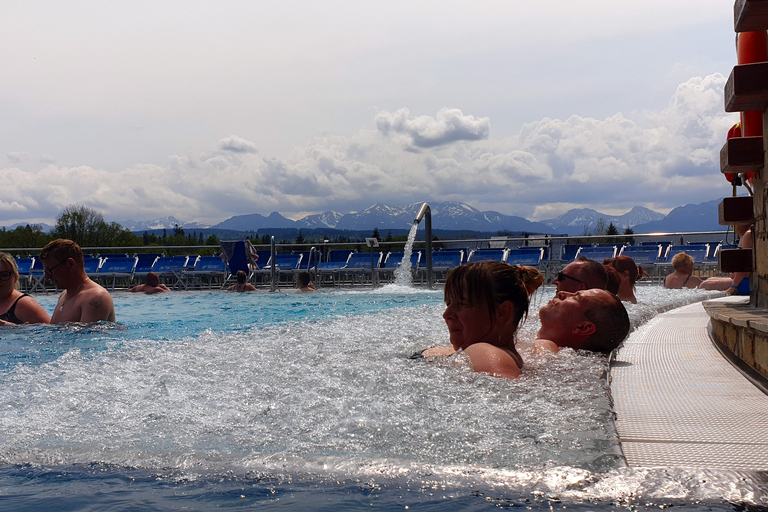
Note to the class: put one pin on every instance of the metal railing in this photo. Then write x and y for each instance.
(549, 266)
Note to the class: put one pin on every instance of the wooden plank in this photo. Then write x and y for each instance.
(750, 15)
(747, 88)
(742, 154)
(734, 260)
(736, 210)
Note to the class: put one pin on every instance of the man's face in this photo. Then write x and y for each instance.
(569, 280)
(565, 314)
(55, 270)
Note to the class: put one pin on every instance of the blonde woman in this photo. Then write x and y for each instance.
(17, 307)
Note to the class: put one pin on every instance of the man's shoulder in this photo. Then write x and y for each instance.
(542, 345)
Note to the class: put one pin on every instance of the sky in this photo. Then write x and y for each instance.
(206, 110)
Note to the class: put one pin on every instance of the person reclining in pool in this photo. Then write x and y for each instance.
(151, 286)
(485, 303)
(683, 276)
(594, 320)
(82, 300)
(738, 282)
(582, 274)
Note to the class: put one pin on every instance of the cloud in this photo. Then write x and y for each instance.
(657, 159)
(235, 144)
(450, 125)
(17, 157)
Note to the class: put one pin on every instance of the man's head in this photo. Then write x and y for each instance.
(153, 279)
(582, 274)
(303, 279)
(593, 320)
(63, 261)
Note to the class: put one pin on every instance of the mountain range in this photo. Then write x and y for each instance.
(460, 216)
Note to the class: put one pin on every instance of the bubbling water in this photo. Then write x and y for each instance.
(329, 390)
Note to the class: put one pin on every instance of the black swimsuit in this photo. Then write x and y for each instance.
(10, 315)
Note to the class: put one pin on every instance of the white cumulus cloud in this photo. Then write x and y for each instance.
(658, 159)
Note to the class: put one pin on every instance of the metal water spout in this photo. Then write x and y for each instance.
(426, 214)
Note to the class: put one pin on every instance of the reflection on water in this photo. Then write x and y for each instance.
(268, 389)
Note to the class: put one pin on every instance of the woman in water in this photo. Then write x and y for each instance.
(17, 307)
(628, 272)
(485, 302)
(241, 285)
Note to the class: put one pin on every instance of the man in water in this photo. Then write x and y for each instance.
(152, 285)
(304, 283)
(594, 320)
(582, 274)
(82, 300)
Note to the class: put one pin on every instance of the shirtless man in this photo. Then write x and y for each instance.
(82, 300)
(582, 274)
(594, 320)
(153, 285)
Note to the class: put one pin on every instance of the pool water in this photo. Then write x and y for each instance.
(201, 400)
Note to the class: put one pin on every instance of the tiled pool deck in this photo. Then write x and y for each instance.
(680, 403)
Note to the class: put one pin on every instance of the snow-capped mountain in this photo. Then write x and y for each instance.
(453, 215)
(579, 220)
(161, 223)
(327, 219)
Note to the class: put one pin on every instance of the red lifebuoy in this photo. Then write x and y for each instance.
(752, 47)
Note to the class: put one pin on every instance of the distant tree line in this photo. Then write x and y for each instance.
(88, 228)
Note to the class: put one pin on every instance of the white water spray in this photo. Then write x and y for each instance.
(403, 275)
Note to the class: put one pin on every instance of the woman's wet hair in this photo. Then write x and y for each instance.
(614, 279)
(623, 264)
(241, 276)
(491, 283)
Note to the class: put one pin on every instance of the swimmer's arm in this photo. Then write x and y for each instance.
(30, 312)
(438, 351)
(489, 359)
(541, 345)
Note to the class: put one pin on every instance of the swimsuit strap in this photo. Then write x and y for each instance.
(10, 315)
(686, 279)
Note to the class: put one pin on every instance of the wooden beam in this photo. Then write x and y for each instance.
(750, 15)
(736, 210)
(734, 260)
(742, 154)
(747, 88)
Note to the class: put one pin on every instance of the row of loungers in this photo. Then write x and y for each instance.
(345, 267)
